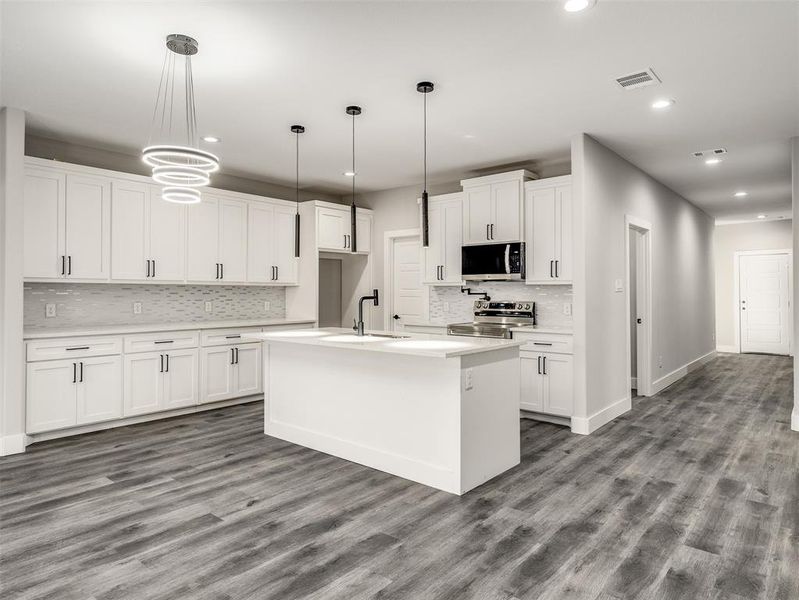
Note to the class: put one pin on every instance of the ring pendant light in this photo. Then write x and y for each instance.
(353, 111)
(297, 130)
(176, 160)
(425, 87)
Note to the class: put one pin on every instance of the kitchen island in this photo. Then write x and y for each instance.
(439, 410)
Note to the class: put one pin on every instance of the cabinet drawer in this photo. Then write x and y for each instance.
(558, 343)
(162, 341)
(65, 348)
(225, 337)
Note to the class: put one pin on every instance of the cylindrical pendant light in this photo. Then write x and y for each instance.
(353, 111)
(297, 130)
(425, 87)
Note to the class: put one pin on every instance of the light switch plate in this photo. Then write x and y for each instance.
(619, 285)
(446, 307)
(209, 306)
(267, 305)
(49, 311)
(567, 309)
(137, 308)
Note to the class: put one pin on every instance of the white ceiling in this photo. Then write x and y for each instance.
(514, 81)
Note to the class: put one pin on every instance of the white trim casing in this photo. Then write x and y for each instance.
(644, 374)
(727, 349)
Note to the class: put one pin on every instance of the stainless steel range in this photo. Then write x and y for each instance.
(495, 319)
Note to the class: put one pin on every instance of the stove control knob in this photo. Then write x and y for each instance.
(520, 306)
(526, 307)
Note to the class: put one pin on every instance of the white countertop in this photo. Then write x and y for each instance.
(416, 344)
(37, 334)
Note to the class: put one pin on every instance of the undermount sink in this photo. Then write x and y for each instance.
(430, 344)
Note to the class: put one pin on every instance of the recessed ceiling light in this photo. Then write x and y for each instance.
(741, 194)
(761, 216)
(712, 161)
(662, 104)
(211, 139)
(349, 173)
(577, 5)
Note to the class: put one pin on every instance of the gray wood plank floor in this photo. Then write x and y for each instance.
(693, 494)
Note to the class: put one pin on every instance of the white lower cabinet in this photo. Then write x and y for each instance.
(547, 383)
(156, 381)
(230, 372)
(66, 393)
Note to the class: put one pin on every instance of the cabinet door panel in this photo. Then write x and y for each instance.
(203, 239)
(506, 211)
(143, 384)
(560, 385)
(167, 238)
(180, 379)
(331, 226)
(51, 395)
(532, 389)
(88, 227)
(129, 207)
(541, 249)
(43, 235)
(248, 370)
(217, 374)
(363, 231)
(433, 255)
(563, 233)
(233, 240)
(100, 392)
(452, 241)
(260, 243)
(477, 215)
(284, 259)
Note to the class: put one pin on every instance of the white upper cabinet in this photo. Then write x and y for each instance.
(492, 208)
(334, 229)
(67, 226)
(148, 234)
(43, 241)
(217, 240)
(441, 260)
(548, 230)
(270, 235)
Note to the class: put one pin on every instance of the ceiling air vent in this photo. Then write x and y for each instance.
(711, 152)
(638, 80)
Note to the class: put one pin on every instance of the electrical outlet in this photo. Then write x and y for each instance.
(209, 306)
(468, 379)
(660, 362)
(137, 308)
(267, 305)
(567, 309)
(49, 310)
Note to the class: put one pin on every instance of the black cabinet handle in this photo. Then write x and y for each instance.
(164, 342)
(162, 364)
(542, 343)
(488, 235)
(74, 373)
(81, 372)
(233, 337)
(148, 267)
(69, 262)
(551, 267)
(492, 231)
(221, 270)
(217, 271)
(232, 357)
(167, 362)
(153, 267)
(63, 265)
(545, 365)
(78, 348)
(277, 273)
(539, 365)
(237, 355)
(396, 317)
(557, 268)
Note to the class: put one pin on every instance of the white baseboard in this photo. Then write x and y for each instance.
(177, 412)
(12, 444)
(727, 349)
(677, 374)
(586, 425)
(795, 419)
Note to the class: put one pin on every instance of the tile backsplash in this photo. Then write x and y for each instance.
(449, 305)
(89, 305)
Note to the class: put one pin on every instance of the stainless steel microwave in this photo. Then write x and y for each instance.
(493, 262)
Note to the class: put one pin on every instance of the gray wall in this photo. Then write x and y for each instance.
(94, 304)
(729, 239)
(42, 147)
(607, 188)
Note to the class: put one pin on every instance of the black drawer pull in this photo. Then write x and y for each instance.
(78, 348)
(164, 342)
(233, 337)
(542, 343)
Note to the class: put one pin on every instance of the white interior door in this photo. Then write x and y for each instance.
(408, 294)
(765, 297)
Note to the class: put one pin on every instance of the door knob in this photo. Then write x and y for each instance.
(639, 321)
(396, 317)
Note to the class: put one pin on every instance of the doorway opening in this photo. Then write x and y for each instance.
(763, 298)
(407, 298)
(638, 243)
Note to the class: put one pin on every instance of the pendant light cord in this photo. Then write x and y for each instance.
(425, 142)
(353, 158)
(297, 171)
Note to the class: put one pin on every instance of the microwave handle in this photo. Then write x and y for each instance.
(507, 259)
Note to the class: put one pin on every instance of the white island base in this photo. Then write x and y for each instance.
(448, 418)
